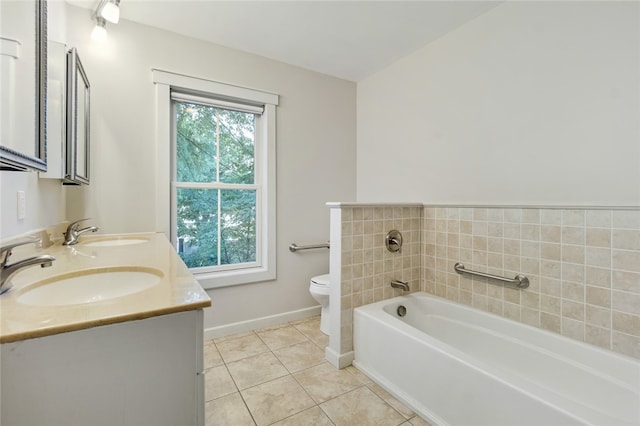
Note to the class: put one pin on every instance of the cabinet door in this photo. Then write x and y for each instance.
(145, 372)
(78, 120)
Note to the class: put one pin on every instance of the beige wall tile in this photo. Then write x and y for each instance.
(627, 281)
(550, 304)
(598, 257)
(598, 218)
(626, 219)
(551, 233)
(625, 302)
(598, 276)
(626, 239)
(573, 254)
(573, 291)
(626, 344)
(551, 217)
(598, 296)
(573, 329)
(573, 310)
(626, 260)
(598, 316)
(626, 323)
(573, 217)
(599, 237)
(550, 322)
(573, 235)
(598, 336)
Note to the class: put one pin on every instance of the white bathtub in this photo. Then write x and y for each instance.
(455, 365)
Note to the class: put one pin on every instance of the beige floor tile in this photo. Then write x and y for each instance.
(228, 410)
(301, 356)
(212, 357)
(217, 383)
(313, 416)
(361, 407)
(242, 347)
(281, 337)
(392, 401)
(255, 370)
(324, 381)
(417, 421)
(276, 400)
(232, 336)
(359, 375)
(311, 329)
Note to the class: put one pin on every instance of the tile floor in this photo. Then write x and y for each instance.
(279, 376)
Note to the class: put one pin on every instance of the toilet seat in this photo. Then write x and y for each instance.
(321, 280)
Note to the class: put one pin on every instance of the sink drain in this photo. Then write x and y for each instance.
(402, 311)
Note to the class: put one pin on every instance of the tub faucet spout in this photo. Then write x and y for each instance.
(7, 271)
(404, 286)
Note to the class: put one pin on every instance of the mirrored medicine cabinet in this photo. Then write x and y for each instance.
(68, 131)
(77, 124)
(23, 79)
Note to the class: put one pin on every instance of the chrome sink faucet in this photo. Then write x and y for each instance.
(8, 271)
(73, 232)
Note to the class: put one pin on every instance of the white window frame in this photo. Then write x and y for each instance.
(165, 82)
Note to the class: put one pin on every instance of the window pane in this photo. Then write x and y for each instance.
(195, 143)
(237, 145)
(238, 226)
(197, 220)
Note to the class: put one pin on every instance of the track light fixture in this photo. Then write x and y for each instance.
(111, 11)
(107, 10)
(99, 32)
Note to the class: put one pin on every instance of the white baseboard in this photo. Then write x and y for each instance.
(253, 324)
(338, 360)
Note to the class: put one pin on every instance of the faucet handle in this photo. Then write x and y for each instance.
(74, 225)
(5, 251)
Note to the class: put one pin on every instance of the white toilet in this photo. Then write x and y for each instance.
(319, 289)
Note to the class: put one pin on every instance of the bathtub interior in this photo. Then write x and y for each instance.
(586, 381)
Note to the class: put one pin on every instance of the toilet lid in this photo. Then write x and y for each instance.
(321, 280)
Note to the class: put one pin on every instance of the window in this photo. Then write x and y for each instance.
(220, 178)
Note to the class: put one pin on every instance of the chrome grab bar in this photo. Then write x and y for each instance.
(520, 281)
(294, 247)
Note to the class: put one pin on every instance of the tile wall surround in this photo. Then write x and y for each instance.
(367, 267)
(583, 265)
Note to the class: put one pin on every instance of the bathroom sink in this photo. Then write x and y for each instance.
(93, 285)
(115, 241)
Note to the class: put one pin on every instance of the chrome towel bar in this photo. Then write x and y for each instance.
(520, 281)
(294, 247)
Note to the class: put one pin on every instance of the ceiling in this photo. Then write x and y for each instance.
(345, 39)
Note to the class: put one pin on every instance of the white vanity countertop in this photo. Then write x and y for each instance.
(176, 291)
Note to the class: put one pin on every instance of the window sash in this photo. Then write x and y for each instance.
(178, 97)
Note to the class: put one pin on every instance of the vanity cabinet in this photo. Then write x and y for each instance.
(145, 372)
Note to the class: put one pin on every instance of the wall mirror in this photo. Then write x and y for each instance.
(23, 82)
(77, 145)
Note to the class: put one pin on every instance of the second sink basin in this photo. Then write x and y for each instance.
(93, 285)
(114, 241)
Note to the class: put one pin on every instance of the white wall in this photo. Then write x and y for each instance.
(315, 149)
(530, 103)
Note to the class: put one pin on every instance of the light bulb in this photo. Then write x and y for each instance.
(111, 11)
(99, 32)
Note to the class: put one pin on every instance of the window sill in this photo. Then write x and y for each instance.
(211, 280)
